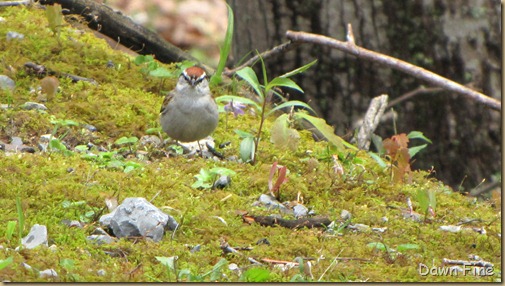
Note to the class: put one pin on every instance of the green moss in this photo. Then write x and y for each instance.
(126, 103)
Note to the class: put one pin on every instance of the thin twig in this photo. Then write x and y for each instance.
(418, 91)
(266, 54)
(423, 74)
(331, 264)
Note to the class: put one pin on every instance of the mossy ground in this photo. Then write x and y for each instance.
(125, 103)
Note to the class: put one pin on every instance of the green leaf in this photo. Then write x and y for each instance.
(239, 99)
(415, 149)
(153, 130)
(57, 145)
(378, 159)
(81, 148)
(11, 227)
(326, 130)
(161, 72)
(6, 262)
(224, 51)
(243, 134)
(215, 273)
(222, 171)
(247, 149)
(250, 77)
(126, 140)
(282, 135)
(299, 70)
(423, 199)
(418, 135)
(140, 59)
(289, 104)
(54, 17)
(169, 262)
(255, 275)
(407, 246)
(281, 81)
(377, 245)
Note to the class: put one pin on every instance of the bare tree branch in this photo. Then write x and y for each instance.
(423, 74)
(266, 54)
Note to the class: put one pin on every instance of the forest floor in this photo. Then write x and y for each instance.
(375, 236)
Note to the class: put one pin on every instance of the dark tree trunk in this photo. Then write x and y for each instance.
(460, 40)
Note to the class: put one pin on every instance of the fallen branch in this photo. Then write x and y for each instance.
(350, 47)
(122, 29)
(295, 223)
(480, 263)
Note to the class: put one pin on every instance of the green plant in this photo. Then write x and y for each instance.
(82, 210)
(206, 178)
(171, 263)
(56, 143)
(21, 218)
(110, 159)
(427, 201)
(255, 274)
(263, 90)
(224, 50)
(127, 141)
(274, 188)
(55, 18)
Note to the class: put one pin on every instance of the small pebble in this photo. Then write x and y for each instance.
(222, 182)
(14, 35)
(6, 83)
(48, 273)
(101, 272)
(33, 105)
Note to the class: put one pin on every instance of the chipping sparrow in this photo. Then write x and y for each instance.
(189, 113)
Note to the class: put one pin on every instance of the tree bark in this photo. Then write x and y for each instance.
(460, 41)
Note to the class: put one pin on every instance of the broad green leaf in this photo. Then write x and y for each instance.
(6, 262)
(57, 145)
(224, 50)
(215, 273)
(378, 159)
(281, 81)
(239, 99)
(299, 70)
(282, 135)
(255, 275)
(377, 245)
(54, 17)
(222, 171)
(169, 262)
(407, 246)
(161, 72)
(81, 148)
(250, 77)
(243, 134)
(414, 150)
(418, 135)
(126, 140)
(247, 149)
(326, 130)
(289, 104)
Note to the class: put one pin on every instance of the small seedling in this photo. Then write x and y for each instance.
(206, 178)
(281, 179)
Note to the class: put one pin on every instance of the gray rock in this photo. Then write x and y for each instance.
(16, 141)
(345, 215)
(90, 127)
(33, 105)
(270, 202)
(101, 239)
(138, 217)
(222, 182)
(300, 210)
(36, 237)
(150, 140)
(6, 83)
(101, 272)
(48, 273)
(14, 36)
